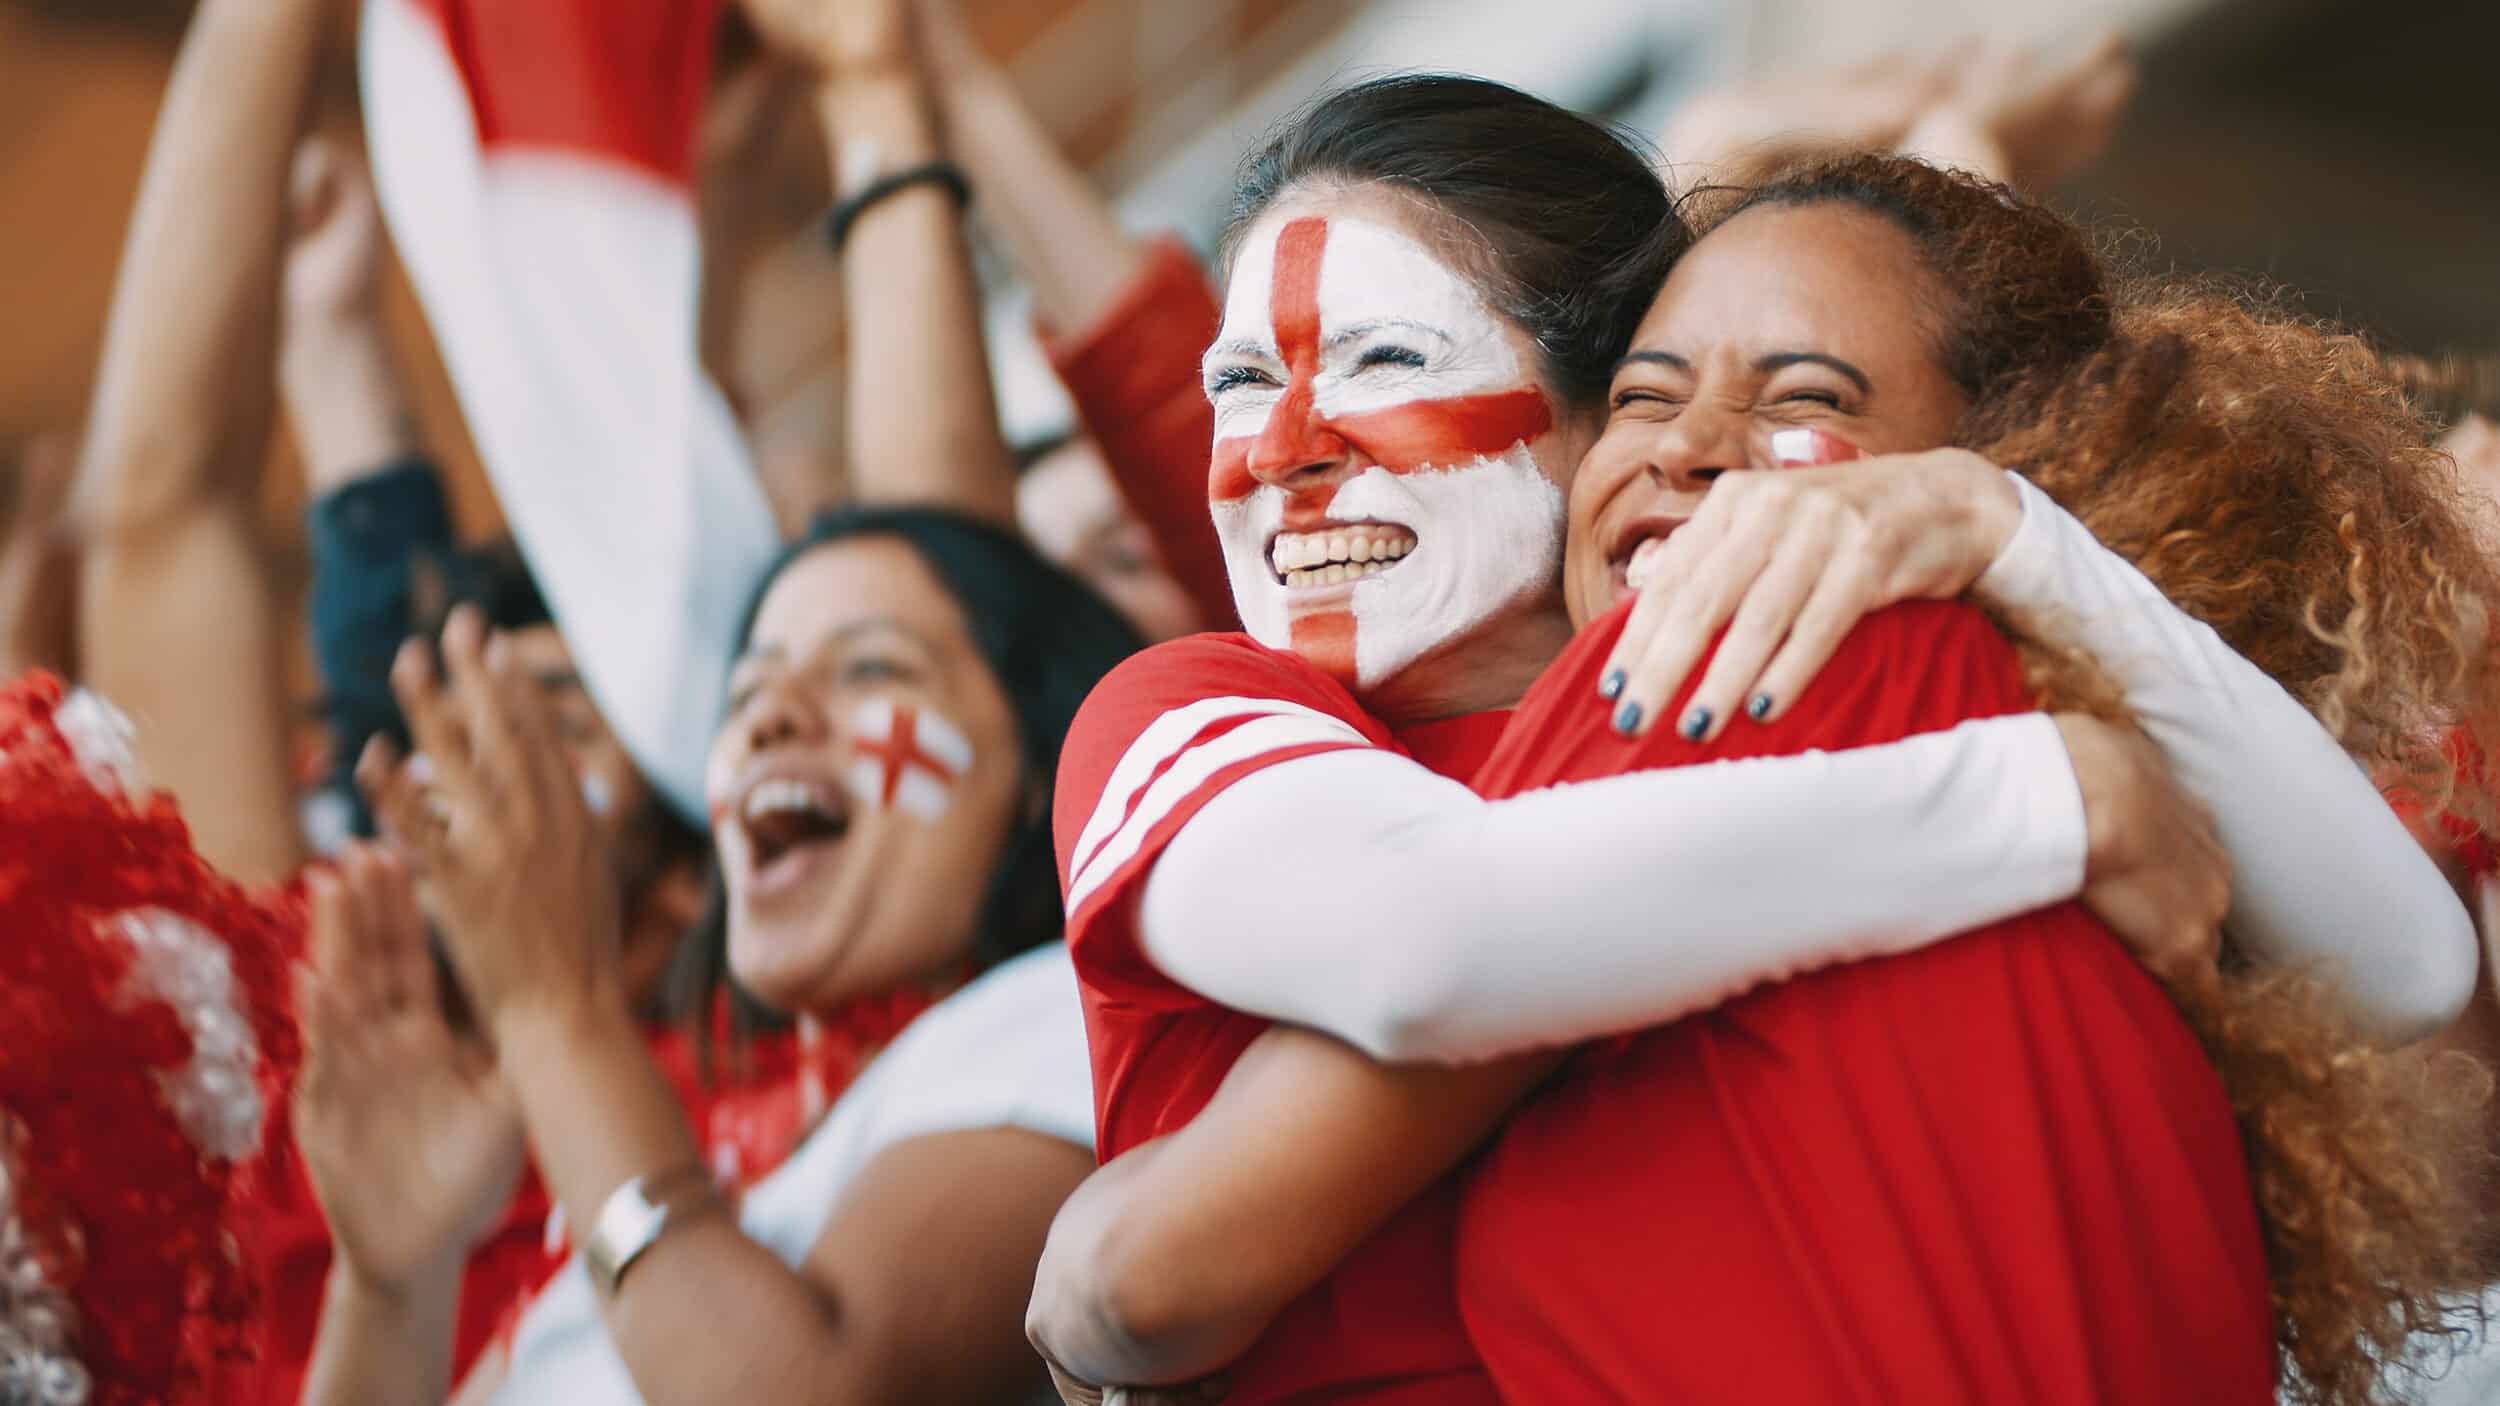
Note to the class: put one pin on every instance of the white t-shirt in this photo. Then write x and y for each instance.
(1006, 1051)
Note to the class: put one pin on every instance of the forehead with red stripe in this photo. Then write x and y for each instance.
(1427, 432)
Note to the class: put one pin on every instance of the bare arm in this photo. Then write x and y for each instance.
(173, 591)
(1173, 1259)
(923, 422)
(1124, 319)
(1061, 233)
(912, 1292)
(383, 1347)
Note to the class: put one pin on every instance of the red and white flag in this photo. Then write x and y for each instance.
(535, 160)
(906, 758)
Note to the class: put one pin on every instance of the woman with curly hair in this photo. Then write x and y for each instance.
(2267, 475)
(2001, 1167)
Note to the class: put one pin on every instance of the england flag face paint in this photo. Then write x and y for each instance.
(1372, 479)
(905, 758)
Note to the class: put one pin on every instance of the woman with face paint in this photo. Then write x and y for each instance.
(879, 793)
(1396, 331)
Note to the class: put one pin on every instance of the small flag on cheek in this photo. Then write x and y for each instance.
(906, 758)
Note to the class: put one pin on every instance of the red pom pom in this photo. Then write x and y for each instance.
(140, 1216)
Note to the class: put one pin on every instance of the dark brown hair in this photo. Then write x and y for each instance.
(1562, 219)
(2271, 475)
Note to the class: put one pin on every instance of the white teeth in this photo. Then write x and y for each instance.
(782, 798)
(1350, 553)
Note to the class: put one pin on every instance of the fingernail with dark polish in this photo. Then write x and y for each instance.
(1760, 707)
(1611, 686)
(1696, 723)
(1628, 718)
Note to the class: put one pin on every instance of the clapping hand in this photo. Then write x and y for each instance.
(411, 1141)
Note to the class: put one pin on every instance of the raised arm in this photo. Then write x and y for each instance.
(173, 590)
(376, 507)
(922, 422)
(2327, 874)
(1123, 319)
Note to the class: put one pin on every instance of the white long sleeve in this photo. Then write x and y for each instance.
(2325, 874)
(1418, 921)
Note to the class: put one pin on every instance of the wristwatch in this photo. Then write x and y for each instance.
(636, 1215)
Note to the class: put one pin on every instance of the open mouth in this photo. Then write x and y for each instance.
(1337, 554)
(790, 825)
(1635, 550)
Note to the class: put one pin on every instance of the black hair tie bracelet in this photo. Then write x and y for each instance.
(945, 175)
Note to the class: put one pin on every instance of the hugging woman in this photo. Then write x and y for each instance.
(1433, 283)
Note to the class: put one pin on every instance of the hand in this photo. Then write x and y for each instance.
(841, 38)
(2156, 872)
(1075, 1391)
(333, 265)
(412, 1144)
(1789, 561)
(507, 852)
(1760, 123)
(2015, 117)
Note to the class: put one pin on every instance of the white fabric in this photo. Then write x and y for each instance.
(562, 291)
(1006, 1051)
(1418, 921)
(2325, 874)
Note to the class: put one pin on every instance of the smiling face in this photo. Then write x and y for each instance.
(1786, 318)
(863, 783)
(1386, 469)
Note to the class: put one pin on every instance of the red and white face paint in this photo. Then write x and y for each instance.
(1347, 343)
(905, 758)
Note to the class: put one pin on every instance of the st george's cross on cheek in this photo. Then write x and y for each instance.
(905, 758)
(1371, 478)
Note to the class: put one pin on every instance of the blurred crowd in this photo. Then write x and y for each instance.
(1738, 763)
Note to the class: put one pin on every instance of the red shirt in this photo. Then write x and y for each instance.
(1997, 1169)
(1165, 733)
(1134, 377)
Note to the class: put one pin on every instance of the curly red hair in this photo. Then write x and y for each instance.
(2273, 477)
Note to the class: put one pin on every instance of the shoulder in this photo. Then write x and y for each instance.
(1173, 725)
(1007, 1050)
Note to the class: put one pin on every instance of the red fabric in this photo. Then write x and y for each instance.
(618, 80)
(129, 1217)
(1384, 1327)
(1998, 1169)
(1134, 377)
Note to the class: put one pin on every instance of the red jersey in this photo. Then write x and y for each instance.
(1996, 1169)
(1164, 734)
(1134, 377)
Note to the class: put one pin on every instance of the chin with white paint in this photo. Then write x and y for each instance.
(1407, 565)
